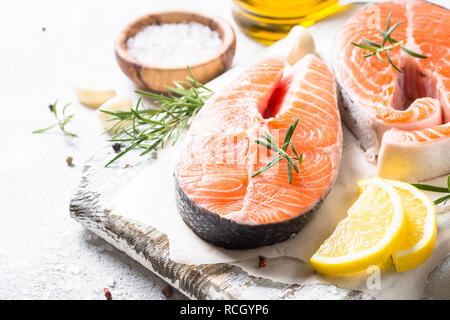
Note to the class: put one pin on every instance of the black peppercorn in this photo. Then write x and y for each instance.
(116, 147)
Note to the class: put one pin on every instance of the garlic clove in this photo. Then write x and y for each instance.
(119, 102)
(302, 44)
(92, 94)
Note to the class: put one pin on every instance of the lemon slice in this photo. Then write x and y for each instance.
(419, 233)
(367, 236)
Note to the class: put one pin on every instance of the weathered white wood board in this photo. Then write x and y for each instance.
(151, 247)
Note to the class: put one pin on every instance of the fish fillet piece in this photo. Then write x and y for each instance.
(239, 106)
(374, 98)
(417, 153)
(216, 194)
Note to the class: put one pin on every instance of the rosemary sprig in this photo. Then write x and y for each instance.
(281, 153)
(60, 121)
(376, 48)
(150, 128)
(428, 187)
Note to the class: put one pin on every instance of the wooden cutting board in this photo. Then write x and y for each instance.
(150, 247)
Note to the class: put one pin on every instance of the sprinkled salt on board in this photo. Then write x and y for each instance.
(175, 44)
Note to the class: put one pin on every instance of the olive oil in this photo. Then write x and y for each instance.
(270, 20)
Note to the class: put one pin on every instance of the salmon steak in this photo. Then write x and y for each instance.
(218, 194)
(400, 118)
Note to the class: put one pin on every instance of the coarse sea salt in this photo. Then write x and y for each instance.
(174, 44)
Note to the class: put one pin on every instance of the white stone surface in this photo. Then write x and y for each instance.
(44, 254)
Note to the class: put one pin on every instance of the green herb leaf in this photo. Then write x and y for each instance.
(388, 24)
(363, 46)
(371, 43)
(427, 187)
(414, 54)
(378, 48)
(281, 153)
(299, 157)
(45, 129)
(289, 172)
(288, 136)
(151, 128)
(387, 35)
(269, 165)
(431, 188)
(392, 63)
(444, 198)
(60, 121)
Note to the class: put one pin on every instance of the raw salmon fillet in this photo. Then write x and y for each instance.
(217, 197)
(375, 98)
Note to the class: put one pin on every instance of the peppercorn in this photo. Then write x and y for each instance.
(167, 290)
(69, 161)
(116, 147)
(262, 262)
(50, 106)
(108, 295)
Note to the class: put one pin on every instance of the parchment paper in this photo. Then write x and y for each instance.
(150, 199)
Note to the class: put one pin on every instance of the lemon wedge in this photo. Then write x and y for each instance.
(419, 233)
(367, 236)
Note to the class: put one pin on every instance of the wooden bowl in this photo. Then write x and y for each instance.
(154, 77)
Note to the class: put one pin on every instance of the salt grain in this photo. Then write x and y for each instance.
(74, 269)
(174, 44)
(111, 282)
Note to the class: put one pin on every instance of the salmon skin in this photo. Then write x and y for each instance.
(375, 99)
(217, 196)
